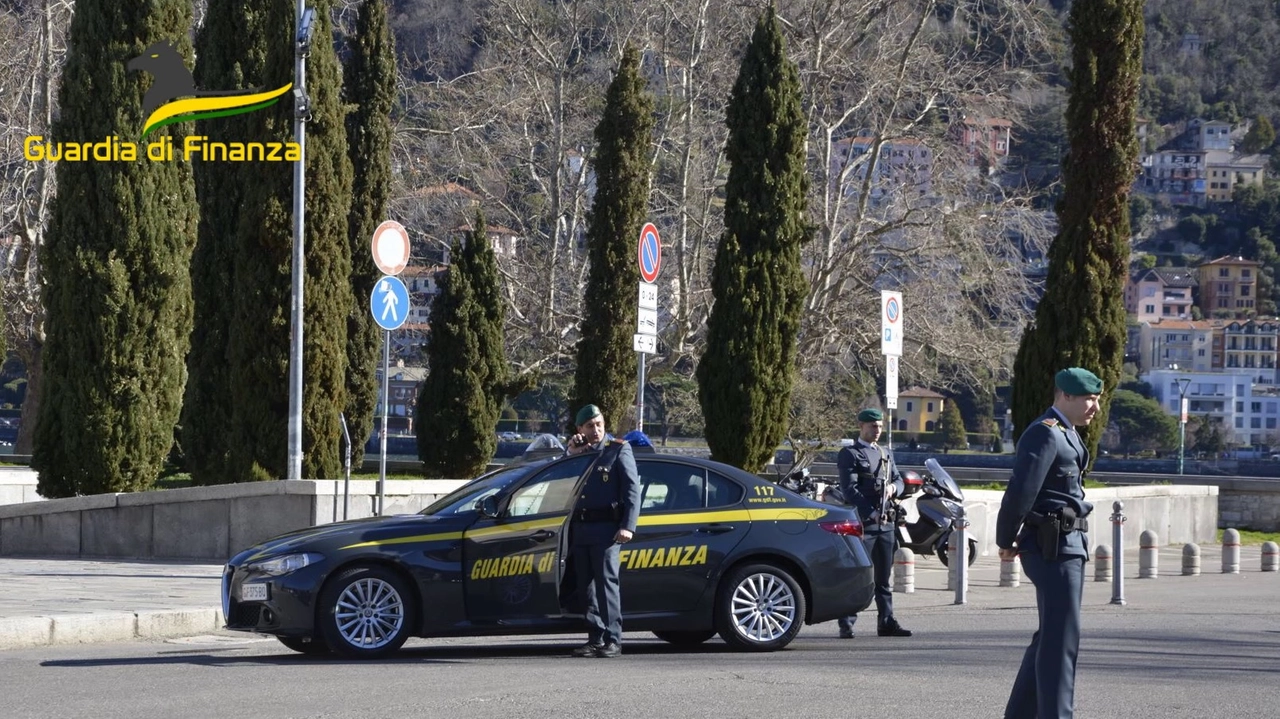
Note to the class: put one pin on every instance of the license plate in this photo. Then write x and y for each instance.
(253, 593)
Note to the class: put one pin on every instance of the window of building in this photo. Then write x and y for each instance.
(1271, 422)
(1255, 423)
(1151, 309)
(1200, 353)
(909, 408)
(928, 426)
(1168, 311)
(1224, 271)
(1224, 287)
(1244, 290)
(1239, 406)
(929, 407)
(1255, 407)
(1245, 274)
(1239, 422)
(1222, 302)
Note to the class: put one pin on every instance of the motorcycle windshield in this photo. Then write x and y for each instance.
(943, 480)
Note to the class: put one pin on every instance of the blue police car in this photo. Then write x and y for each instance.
(717, 551)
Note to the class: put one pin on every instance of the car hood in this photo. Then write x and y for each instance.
(329, 536)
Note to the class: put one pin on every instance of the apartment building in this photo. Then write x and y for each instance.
(1249, 414)
(1228, 287)
(1190, 344)
(1160, 294)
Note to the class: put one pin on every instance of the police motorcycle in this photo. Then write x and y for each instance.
(927, 529)
(800, 482)
(924, 522)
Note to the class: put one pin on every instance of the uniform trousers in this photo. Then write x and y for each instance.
(596, 566)
(880, 545)
(1046, 683)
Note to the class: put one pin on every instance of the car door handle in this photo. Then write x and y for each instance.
(543, 534)
(714, 529)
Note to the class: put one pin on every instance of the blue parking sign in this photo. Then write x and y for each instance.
(389, 303)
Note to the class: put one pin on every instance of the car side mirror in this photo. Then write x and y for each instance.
(488, 506)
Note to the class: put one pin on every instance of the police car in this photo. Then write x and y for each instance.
(717, 550)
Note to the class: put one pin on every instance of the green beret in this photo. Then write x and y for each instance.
(586, 414)
(870, 414)
(1078, 381)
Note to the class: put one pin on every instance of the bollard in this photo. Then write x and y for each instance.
(1009, 574)
(1190, 560)
(904, 571)
(1102, 563)
(1230, 552)
(1270, 557)
(958, 552)
(1148, 555)
(1117, 557)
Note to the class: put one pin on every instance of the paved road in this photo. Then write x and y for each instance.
(1206, 646)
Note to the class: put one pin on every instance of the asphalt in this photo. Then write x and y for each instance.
(55, 601)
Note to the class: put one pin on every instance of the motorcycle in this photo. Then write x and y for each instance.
(800, 482)
(935, 510)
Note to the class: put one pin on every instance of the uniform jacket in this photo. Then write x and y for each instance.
(614, 484)
(862, 478)
(1048, 474)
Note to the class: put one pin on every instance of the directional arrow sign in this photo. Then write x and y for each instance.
(389, 303)
(648, 344)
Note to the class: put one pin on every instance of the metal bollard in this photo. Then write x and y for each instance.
(1117, 559)
(1148, 555)
(959, 555)
(1190, 560)
(1102, 563)
(904, 571)
(1270, 557)
(1230, 552)
(1010, 576)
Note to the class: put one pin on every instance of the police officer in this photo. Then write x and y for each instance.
(604, 518)
(1042, 519)
(868, 480)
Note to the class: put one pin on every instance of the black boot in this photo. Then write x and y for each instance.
(891, 628)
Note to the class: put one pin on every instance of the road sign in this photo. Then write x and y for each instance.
(389, 303)
(648, 296)
(891, 381)
(391, 248)
(891, 323)
(647, 344)
(647, 322)
(1183, 417)
(649, 254)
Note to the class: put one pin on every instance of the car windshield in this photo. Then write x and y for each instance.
(465, 498)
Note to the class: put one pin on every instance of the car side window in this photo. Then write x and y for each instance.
(722, 491)
(549, 491)
(670, 486)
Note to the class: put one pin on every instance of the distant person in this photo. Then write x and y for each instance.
(869, 480)
(1042, 519)
(604, 518)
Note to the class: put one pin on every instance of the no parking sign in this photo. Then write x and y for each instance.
(891, 323)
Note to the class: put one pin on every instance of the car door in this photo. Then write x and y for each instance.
(680, 541)
(511, 563)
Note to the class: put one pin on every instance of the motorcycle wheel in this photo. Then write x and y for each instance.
(940, 549)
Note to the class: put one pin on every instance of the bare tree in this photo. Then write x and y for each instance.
(31, 56)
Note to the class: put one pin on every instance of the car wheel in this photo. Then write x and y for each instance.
(759, 608)
(685, 639)
(314, 647)
(366, 612)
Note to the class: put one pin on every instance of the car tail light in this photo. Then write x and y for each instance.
(847, 527)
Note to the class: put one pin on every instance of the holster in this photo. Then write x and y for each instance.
(1047, 537)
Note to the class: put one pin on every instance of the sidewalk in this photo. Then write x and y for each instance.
(67, 601)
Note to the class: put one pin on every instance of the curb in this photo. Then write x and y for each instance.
(60, 629)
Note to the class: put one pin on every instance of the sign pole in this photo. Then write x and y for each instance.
(299, 255)
(645, 340)
(640, 398)
(382, 462)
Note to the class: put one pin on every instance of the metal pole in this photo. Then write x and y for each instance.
(640, 398)
(960, 538)
(346, 464)
(298, 267)
(1182, 440)
(1117, 556)
(382, 462)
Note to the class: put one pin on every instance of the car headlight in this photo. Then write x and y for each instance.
(285, 564)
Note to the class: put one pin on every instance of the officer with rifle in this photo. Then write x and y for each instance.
(869, 480)
(1042, 519)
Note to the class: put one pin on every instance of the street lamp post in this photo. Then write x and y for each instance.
(1183, 383)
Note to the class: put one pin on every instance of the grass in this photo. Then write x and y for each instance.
(1248, 536)
(1000, 486)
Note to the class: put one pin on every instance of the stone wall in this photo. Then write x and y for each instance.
(1255, 507)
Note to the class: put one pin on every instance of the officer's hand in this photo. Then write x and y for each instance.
(623, 536)
(1010, 553)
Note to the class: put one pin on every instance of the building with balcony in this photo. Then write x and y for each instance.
(1188, 344)
(1250, 346)
(1249, 414)
(1228, 287)
(1160, 293)
(904, 164)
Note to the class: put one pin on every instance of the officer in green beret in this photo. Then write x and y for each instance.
(1042, 519)
(604, 518)
(869, 479)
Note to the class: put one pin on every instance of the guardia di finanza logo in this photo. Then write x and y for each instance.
(173, 97)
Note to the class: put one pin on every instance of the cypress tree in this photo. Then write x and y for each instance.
(230, 54)
(258, 341)
(485, 282)
(745, 375)
(369, 79)
(454, 423)
(117, 291)
(606, 368)
(1081, 319)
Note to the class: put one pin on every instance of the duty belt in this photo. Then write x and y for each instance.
(1065, 521)
(607, 514)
